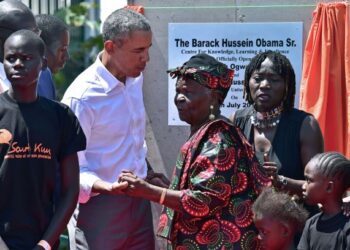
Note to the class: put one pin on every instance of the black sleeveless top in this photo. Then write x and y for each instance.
(285, 148)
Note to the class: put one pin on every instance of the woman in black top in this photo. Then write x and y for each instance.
(284, 138)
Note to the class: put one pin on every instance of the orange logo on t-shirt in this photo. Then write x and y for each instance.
(18, 151)
(5, 136)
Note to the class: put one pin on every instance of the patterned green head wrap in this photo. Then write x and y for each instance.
(207, 71)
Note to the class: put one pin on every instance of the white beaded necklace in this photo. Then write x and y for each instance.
(267, 119)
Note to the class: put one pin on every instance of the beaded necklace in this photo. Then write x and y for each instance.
(266, 119)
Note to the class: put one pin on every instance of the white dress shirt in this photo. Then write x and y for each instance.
(112, 116)
(4, 82)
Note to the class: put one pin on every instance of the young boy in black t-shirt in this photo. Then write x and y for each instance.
(327, 178)
(37, 135)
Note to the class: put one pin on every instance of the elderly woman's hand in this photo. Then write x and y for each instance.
(136, 186)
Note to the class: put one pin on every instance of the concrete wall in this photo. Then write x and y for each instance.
(107, 8)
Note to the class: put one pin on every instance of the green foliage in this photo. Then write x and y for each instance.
(77, 15)
(82, 52)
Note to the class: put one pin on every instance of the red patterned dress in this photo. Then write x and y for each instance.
(220, 179)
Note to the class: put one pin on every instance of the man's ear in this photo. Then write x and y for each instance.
(108, 46)
(44, 63)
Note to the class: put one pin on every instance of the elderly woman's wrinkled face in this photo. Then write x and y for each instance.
(192, 101)
(267, 88)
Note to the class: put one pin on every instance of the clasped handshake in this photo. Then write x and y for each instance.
(130, 184)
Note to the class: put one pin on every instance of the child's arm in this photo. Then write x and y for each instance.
(69, 197)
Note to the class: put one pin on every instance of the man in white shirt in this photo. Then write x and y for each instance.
(107, 99)
(14, 15)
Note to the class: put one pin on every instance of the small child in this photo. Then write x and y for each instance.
(37, 137)
(327, 178)
(278, 218)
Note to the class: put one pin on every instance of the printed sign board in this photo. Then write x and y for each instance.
(233, 44)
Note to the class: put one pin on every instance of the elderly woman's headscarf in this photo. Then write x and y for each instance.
(207, 71)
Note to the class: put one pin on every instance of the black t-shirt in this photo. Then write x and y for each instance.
(33, 139)
(330, 234)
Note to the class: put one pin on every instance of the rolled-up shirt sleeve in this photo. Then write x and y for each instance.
(85, 116)
(87, 180)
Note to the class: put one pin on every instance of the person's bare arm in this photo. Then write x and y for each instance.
(103, 187)
(311, 139)
(292, 186)
(311, 143)
(69, 197)
(141, 188)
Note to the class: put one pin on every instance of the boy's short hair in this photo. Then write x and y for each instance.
(333, 165)
(30, 36)
(280, 206)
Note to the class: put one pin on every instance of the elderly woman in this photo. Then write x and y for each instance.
(284, 138)
(216, 178)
